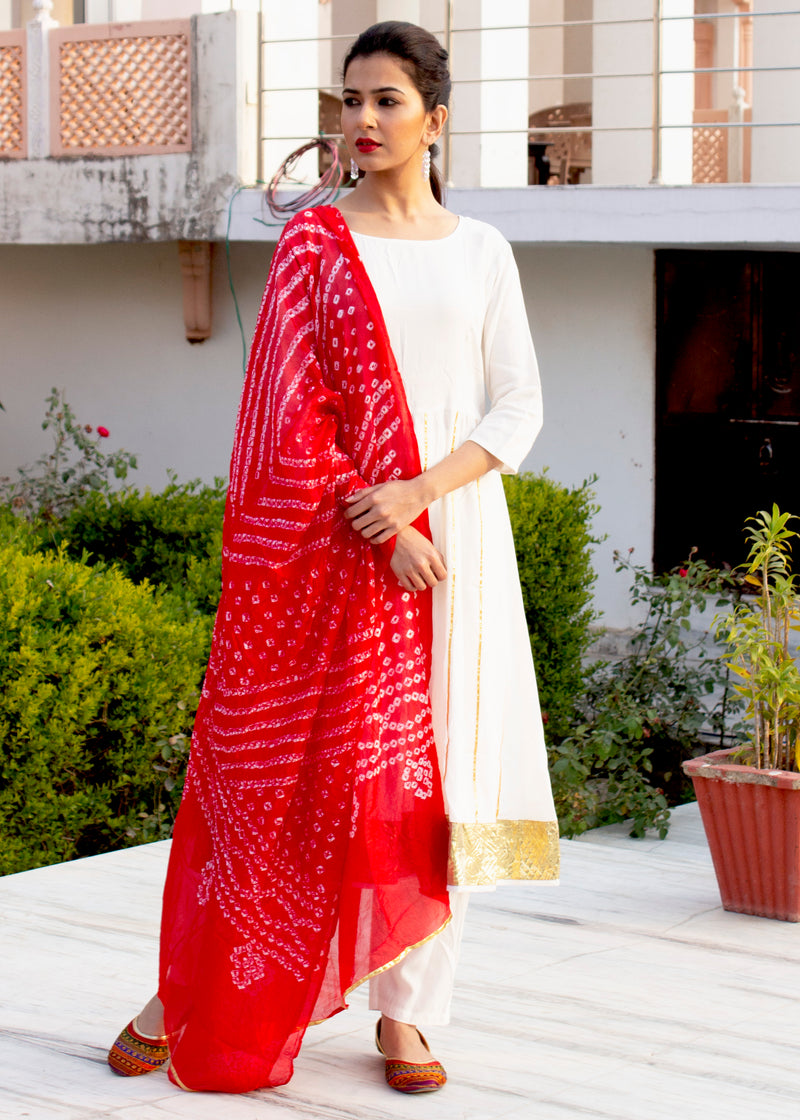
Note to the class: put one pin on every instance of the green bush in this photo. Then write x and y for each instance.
(173, 538)
(99, 677)
(643, 714)
(98, 687)
(77, 465)
(553, 539)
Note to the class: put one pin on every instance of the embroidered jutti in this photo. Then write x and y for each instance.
(311, 845)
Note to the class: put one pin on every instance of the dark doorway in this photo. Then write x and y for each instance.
(728, 398)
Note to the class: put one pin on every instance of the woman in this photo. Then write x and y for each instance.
(369, 733)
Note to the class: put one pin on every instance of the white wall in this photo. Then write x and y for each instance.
(105, 323)
(592, 317)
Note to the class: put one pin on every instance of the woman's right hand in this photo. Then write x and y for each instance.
(416, 562)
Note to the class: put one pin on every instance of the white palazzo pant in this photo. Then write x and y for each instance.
(419, 988)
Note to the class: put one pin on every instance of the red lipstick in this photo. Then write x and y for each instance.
(367, 146)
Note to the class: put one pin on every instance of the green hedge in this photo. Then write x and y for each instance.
(553, 538)
(173, 538)
(97, 678)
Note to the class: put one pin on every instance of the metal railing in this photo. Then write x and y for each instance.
(657, 72)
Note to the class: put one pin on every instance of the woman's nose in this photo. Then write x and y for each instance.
(366, 116)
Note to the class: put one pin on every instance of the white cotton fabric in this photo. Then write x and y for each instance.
(459, 331)
(419, 989)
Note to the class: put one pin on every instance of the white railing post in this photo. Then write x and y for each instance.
(736, 116)
(38, 31)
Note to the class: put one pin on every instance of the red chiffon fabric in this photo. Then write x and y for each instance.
(311, 845)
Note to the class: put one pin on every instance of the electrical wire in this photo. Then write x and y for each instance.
(327, 189)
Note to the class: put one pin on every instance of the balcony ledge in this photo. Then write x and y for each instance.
(168, 198)
(713, 216)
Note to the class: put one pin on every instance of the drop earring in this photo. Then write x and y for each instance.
(426, 165)
(354, 169)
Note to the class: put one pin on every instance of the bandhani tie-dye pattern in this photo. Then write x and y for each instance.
(310, 850)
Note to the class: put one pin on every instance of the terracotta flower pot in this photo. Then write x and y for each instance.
(752, 823)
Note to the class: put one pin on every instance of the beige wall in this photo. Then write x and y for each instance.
(62, 11)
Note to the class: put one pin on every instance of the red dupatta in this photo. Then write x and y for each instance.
(310, 849)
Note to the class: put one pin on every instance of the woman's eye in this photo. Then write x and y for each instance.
(350, 102)
(388, 101)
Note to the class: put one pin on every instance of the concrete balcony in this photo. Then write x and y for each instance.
(126, 132)
(710, 216)
(145, 132)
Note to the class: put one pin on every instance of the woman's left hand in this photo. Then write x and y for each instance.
(378, 512)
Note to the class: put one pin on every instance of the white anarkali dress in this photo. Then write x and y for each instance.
(456, 320)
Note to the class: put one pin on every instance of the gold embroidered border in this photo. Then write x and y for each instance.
(384, 968)
(481, 854)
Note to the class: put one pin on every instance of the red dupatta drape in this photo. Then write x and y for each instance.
(310, 848)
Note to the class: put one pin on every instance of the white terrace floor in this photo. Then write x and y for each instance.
(627, 993)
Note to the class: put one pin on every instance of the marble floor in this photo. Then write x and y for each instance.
(626, 993)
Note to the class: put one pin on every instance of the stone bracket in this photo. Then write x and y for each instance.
(195, 261)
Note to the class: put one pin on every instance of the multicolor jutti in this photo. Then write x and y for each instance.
(310, 850)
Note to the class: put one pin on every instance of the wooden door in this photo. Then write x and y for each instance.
(728, 398)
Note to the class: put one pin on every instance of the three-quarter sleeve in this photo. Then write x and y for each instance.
(514, 417)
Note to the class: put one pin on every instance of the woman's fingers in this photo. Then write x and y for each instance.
(385, 508)
(428, 575)
(438, 566)
(416, 563)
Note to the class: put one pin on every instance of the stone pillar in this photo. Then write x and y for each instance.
(117, 11)
(290, 92)
(622, 157)
(546, 52)
(726, 53)
(407, 10)
(776, 96)
(60, 10)
(736, 137)
(495, 113)
(677, 91)
(38, 31)
(465, 63)
(209, 6)
(504, 104)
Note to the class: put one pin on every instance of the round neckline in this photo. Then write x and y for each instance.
(407, 240)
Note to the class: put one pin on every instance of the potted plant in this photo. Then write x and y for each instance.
(749, 796)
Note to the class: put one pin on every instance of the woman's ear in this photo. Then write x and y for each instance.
(435, 124)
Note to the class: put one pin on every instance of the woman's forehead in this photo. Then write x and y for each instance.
(377, 72)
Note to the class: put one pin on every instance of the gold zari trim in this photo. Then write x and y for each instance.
(481, 854)
(383, 968)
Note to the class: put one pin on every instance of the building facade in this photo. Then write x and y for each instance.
(643, 159)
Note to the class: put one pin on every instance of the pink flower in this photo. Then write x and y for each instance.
(682, 572)
(104, 432)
